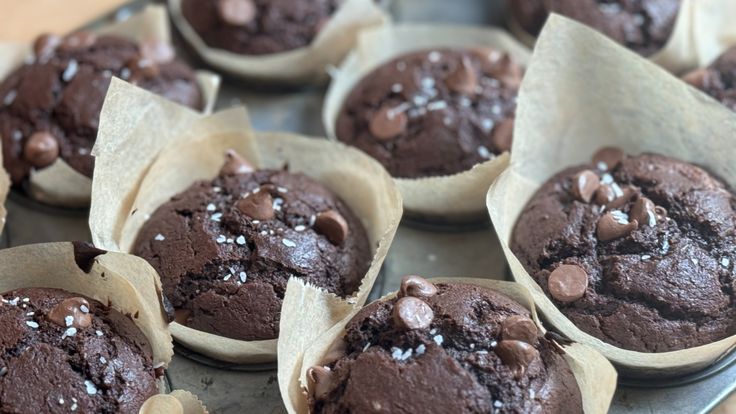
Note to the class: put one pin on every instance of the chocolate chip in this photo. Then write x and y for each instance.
(697, 77)
(608, 158)
(584, 185)
(604, 194)
(235, 164)
(416, 286)
(319, 380)
(332, 225)
(567, 283)
(75, 309)
(661, 212)
(157, 51)
(520, 328)
(45, 45)
(41, 149)
(237, 12)
(79, 40)
(85, 254)
(412, 313)
(181, 316)
(142, 68)
(387, 123)
(614, 225)
(503, 135)
(507, 71)
(257, 206)
(463, 79)
(517, 355)
(626, 195)
(643, 211)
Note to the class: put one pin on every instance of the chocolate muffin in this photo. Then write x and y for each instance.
(719, 79)
(445, 348)
(433, 112)
(50, 107)
(258, 27)
(226, 248)
(641, 25)
(636, 251)
(63, 352)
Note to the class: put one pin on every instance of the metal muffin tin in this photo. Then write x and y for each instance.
(419, 248)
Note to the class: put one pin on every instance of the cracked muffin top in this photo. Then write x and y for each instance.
(50, 107)
(63, 352)
(445, 348)
(637, 251)
(226, 248)
(643, 26)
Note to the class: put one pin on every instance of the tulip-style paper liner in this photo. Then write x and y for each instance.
(176, 402)
(59, 184)
(703, 30)
(305, 65)
(127, 283)
(312, 320)
(4, 188)
(457, 198)
(583, 92)
(135, 174)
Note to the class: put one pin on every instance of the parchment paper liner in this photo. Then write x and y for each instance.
(4, 189)
(703, 30)
(59, 184)
(306, 65)
(127, 282)
(313, 319)
(604, 95)
(134, 175)
(453, 198)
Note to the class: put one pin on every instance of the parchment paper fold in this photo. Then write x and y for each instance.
(313, 320)
(457, 198)
(582, 92)
(136, 173)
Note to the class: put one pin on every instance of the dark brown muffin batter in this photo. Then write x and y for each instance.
(225, 249)
(433, 112)
(446, 348)
(637, 251)
(258, 27)
(641, 25)
(63, 352)
(50, 107)
(719, 79)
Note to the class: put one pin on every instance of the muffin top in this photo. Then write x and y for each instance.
(226, 248)
(433, 112)
(641, 25)
(636, 251)
(50, 107)
(719, 79)
(64, 352)
(445, 348)
(258, 27)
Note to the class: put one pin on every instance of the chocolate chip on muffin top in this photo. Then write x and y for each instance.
(258, 27)
(718, 79)
(50, 107)
(443, 348)
(63, 352)
(226, 248)
(635, 250)
(433, 112)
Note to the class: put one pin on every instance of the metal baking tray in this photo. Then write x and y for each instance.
(417, 249)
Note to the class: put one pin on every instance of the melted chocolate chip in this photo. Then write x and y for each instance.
(45, 45)
(626, 195)
(332, 225)
(417, 287)
(643, 211)
(235, 164)
(464, 79)
(85, 254)
(71, 312)
(237, 12)
(257, 206)
(517, 355)
(412, 313)
(614, 225)
(604, 194)
(584, 185)
(387, 123)
(79, 40)
(157, 51)
(608, 158)
(567, 283)
(503, 135)
(520, 328)
(41, 149)
(319, 381)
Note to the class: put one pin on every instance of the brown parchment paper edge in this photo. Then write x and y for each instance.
(312, 330)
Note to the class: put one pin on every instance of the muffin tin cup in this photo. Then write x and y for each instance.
(136, 174)
(313, 320)
(59, 184)
(127, 283)
(703, 30)
(306, 65)
(446, 200)
(594, 86)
